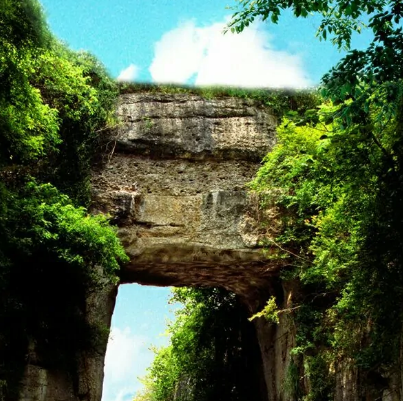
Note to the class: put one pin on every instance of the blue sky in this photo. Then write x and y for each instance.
(180, 41)
(139, 322)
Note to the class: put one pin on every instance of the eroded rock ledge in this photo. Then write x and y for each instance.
(174, 182)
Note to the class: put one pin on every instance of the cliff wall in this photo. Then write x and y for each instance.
(174, 180)
(175, 185)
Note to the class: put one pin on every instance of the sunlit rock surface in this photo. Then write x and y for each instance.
(174, 179)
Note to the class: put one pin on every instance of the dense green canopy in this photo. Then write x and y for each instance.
(380, 62)
(337, 182)
(53, 102)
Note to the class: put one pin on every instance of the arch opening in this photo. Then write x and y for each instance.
(138, 322)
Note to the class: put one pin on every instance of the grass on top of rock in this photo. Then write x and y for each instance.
(280, 101)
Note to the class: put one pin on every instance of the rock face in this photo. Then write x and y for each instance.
(43, 381)
(175, 185)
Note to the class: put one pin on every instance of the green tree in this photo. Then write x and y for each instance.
(53, 105)
(381, 62)
(339, 186)
(362, 76)
(212, 351)
(338, 191)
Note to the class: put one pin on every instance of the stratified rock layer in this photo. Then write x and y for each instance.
(174, 181)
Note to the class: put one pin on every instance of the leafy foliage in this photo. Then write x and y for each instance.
(67, 232)
(53, 103)
(340, 19)
(211, 355)
(338, 183)
(337, 186)
(362, 76)
(269, 312)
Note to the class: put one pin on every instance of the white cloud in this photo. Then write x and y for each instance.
(127, 357)
(128, 74)
(245, 60)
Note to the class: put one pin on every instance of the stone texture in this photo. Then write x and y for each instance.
(175, 185)
(189, 126)
(43, 381)
(99, 308)
(41, 384)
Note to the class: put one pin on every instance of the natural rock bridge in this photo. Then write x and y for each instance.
(173, 180)
(175, 185)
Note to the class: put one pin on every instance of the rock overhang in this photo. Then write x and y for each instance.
(175, 185)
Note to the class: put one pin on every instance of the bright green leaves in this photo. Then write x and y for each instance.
(163, 376)
(291, 157)
(337, 186)
(47, 92)
(51, 100)
(29, 128)
(77, 86)
(380, 63)
(68, 233)
(68, 90)
(28, 132)
(74, 84)
(340, 18)
(322, 175)
(51, 103)
(269, 312)
(22, 24)
(211, 339)
(337, 183)
(53, 255)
